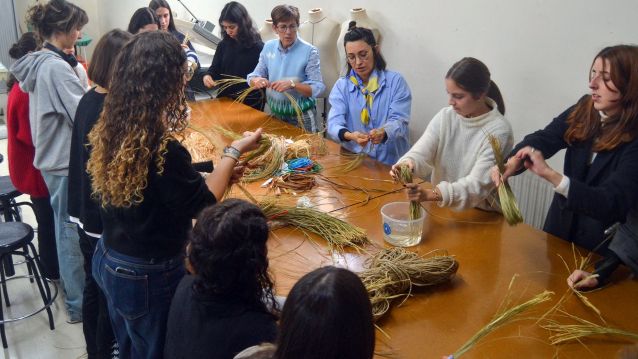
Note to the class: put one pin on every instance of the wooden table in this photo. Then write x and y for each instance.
(437, 321)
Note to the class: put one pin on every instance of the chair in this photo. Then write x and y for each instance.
(16, 239)
(9, 209)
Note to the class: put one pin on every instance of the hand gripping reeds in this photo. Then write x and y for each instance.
(510, 209)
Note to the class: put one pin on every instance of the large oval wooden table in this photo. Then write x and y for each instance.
(439, 320)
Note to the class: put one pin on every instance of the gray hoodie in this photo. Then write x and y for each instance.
(54, 93)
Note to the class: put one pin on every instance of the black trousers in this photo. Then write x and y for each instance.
(96, 323)
(47, 249)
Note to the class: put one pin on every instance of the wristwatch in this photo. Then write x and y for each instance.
(292, 84)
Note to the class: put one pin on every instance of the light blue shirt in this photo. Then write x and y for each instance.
(299, 62)
(391, 109)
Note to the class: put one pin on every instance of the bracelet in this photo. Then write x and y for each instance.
(232, 152)
(437, 195)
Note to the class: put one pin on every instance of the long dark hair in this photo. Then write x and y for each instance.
(473, 76)
(56, 16)
(28, 42)
(144, 109)
(584, 120)
(142, 17)
(229, 255)
(156, 4)
(327, 315)
(361, 33)
(104, 56)
(236, 13)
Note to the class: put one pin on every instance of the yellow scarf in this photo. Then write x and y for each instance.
(368, 92)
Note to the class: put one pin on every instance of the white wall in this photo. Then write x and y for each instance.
(539, 51)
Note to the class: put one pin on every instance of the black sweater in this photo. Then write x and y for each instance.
(82, 208)
(213, 327)
(158, 227)
(233, 59)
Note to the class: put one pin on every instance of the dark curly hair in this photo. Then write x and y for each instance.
(229, 255)
(144, 109)
(28, 42)
(236, 13)
(327, 315)
(56, 16)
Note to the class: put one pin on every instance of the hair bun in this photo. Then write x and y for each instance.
(352, 25)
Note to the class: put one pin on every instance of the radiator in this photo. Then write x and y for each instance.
(534, 195)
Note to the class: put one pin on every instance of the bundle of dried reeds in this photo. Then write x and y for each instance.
(352, 162)
(504, 315)
(562, 333)
(295, 182)
(200, 148)
(338, 233)
(508, 201)
(405, 176)
(393, 272)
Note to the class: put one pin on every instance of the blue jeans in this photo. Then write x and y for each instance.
(70, 257)
(139, 294)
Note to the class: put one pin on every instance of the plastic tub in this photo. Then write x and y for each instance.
(398, 229)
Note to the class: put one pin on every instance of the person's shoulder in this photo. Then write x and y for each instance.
(271, 44)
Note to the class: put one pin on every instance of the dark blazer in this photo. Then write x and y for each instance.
(600, 194)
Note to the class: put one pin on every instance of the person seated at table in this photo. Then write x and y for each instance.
(237, 54)
(370, 106)
(143, 20)
(623, 249)
(289, 65)
(326, 315)
(147, 189)
(228, 304)
(599, 183)
(454, 151)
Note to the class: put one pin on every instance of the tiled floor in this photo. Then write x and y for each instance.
(31, 338)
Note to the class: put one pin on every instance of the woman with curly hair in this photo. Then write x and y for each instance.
(148, 190)
(237, 54)
(227, 304)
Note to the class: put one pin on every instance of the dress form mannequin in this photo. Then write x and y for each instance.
(322, 33)
(266, 32)
(361, 17)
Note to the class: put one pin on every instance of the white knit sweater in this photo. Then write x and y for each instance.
(455, 153)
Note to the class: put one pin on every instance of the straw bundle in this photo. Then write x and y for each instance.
(508, 202)
(562, 333)
(504, 315)
(293, 182)
(393, 272)
(405, 176)
(338, 233)
(200, 148)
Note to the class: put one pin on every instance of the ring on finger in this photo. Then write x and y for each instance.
(533, 150)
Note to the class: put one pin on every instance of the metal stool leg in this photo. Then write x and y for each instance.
(46, 297)
(4, 282)
(2, 333)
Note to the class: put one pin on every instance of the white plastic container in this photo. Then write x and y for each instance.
(398, 229)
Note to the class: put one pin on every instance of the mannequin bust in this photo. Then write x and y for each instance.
(266, 31)
(361, 17)
(322, 33)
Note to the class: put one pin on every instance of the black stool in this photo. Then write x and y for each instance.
(16, 239)
(9, 209)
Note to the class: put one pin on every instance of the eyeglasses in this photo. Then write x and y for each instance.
(282, 29)
(362, 57)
